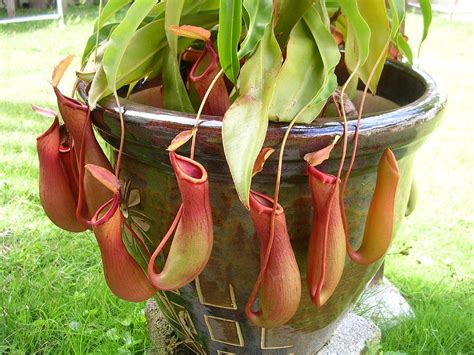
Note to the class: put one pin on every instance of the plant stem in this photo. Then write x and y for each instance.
(122, 136)
(199, 113)
(97, 31)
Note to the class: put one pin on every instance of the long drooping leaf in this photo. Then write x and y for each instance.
(230, 27)
(358, 35)
(259, 15)
(425, 7)
(121, 37)
(245, 123)
(301, 76)
(289, 14)
(328, 48)
(175, 96)
(374, 13)
(307, 74)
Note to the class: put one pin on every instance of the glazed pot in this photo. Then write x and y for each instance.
(209, 313)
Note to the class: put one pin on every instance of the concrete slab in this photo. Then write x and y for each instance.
(383, 303)
(355, 335)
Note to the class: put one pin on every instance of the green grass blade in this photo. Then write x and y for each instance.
(259, 16)
(230, 27)
(245, 123)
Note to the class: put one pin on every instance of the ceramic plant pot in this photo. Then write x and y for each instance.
(209, 312)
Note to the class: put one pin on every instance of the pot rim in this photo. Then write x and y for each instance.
(434, 98)
(406, 126)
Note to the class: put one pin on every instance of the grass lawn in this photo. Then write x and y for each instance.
(53, 297)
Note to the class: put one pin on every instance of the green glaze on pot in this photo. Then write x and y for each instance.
(211, 310)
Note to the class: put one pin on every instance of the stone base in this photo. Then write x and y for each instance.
(161, 334)
(383, 303)
(354, 335)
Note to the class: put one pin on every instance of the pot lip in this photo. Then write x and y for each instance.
(425, 107)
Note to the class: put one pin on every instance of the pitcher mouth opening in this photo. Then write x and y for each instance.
(190, 169)
(264, 203)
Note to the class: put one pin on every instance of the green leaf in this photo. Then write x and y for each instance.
(141, 60)
(189, 7)
(404, 48)
(312, 55)
(121, 37)
(375, 15)
(322, 9)
(358, 35)
(246, 121)
(425, 7)
(288, 16)
(259, 16)
(104, 34)
(328, 48)
(175, 95)
(109, 10)
(230, 27)
(310, 112)
(397, 11)
(158, 10)
(172, 18)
